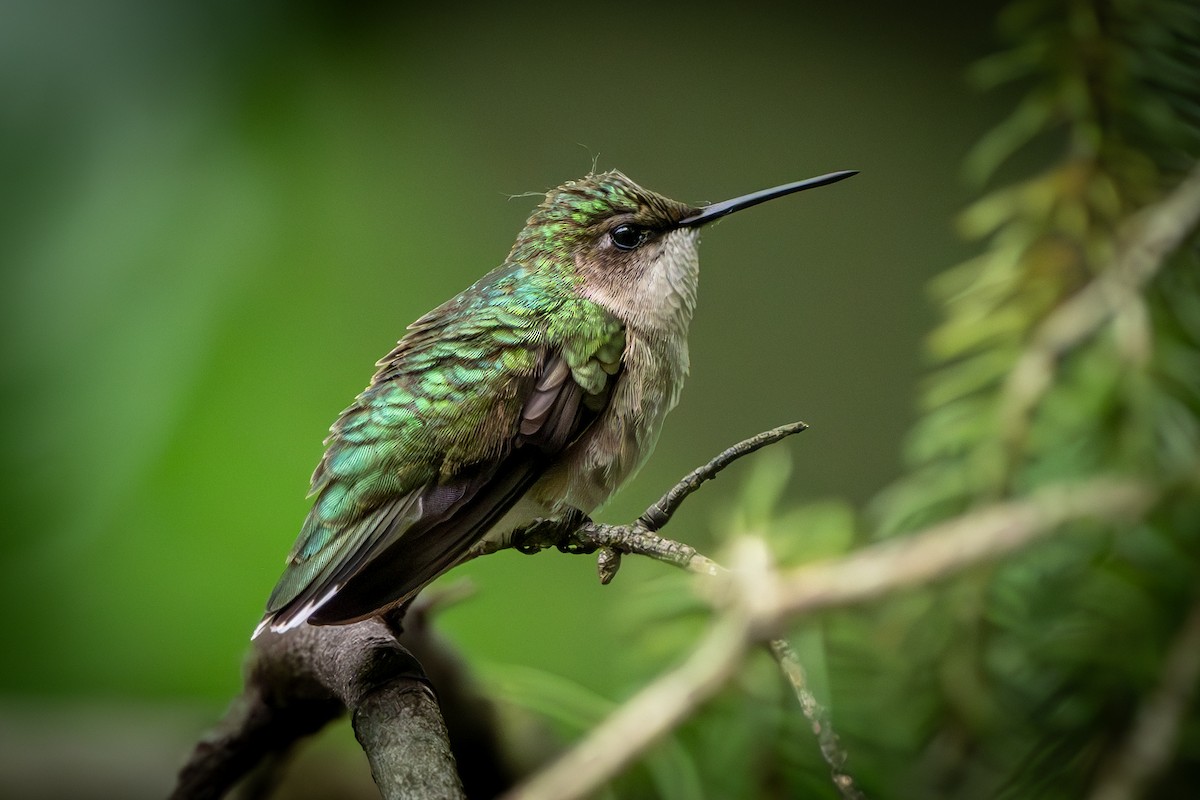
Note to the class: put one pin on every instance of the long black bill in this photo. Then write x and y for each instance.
(718, 210)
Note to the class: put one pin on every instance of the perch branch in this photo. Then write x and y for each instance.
(757, 600)
(577, 534)
(299, 681)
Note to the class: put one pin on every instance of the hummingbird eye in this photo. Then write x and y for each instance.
(628, 237)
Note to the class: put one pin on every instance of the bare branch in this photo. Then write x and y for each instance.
(402, 732)
(298, 681)
(955, 545)
(657, 515)
(637, 540)
(575, 533)
(252, 732)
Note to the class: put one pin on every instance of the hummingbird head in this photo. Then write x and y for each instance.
(632, 250)
(622, 244)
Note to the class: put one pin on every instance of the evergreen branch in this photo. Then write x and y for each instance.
(1148, 748)
(1158, 231)
(616, 539)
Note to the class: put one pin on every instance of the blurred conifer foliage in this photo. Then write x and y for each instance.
(1058, 360)
(1065, 353)
(1025, 679)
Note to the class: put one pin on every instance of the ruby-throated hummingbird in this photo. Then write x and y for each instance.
(537, 391)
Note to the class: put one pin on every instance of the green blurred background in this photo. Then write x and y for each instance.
(217, 215)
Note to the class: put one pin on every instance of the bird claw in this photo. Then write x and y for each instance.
(531, 539)
(552, 532)
(569, 523)
(575, 547)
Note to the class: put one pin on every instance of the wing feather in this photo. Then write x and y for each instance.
(342, 572)
(460, 419)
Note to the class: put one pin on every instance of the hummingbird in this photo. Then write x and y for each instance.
(535, 393)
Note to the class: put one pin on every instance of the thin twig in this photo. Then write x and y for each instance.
(818, 717)
(658, 708)
(642, 720)
(576, 534)
(636, 540)
(659, 514)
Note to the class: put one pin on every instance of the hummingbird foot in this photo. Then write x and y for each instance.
(613, 541)
(575, 533)
(553, 532)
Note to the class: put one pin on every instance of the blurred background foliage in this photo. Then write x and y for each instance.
(218, 215)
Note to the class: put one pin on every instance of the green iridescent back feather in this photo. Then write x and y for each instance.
(451, 393)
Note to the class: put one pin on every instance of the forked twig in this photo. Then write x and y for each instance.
(659, 514)
(574, 533)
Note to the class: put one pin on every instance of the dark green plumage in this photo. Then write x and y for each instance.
(460, 419)
(442, 413)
